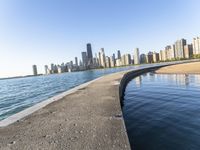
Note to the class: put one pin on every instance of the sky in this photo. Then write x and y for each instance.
(42, 32)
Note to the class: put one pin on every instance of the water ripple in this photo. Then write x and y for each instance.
(163, 112)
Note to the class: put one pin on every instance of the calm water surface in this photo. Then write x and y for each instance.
(18, 94)
(162, 112)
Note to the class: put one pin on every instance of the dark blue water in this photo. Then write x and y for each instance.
(162, 112)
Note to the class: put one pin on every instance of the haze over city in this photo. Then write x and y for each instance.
(45, 32)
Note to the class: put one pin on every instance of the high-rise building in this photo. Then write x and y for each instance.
(108, 65)
(163, 55)
(196, 45)
(84, 59)
(179, 48)
(89, 55)
(99, 58)
(76, 61)
(143, 59)
(172, 52)
(136, 56)
(59, 69)
(46, 68)
(118, 54)
(80, 63)
(127, 59)
(52, 68)
(188, 51)
(149, 57)
(155, 57)
(102, 58)
(168, 52)
(35, 70)
(123, 60)
(118, 62)
(96, 60)
(113, 59)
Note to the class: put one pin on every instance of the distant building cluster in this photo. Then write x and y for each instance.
(177, 51)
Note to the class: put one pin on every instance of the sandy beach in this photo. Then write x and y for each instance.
(186, 68)
(88, 119)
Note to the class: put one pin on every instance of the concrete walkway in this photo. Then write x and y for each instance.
(87, 119)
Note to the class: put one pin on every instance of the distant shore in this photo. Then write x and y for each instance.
(186, 68)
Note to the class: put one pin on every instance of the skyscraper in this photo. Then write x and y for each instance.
(163, 55)
(99, 57)
(196, 45)
(113, 60)
(46, 69)
(127, 59)
(149, 57)
(108, 65)
(155, 57)
(188, 51)
(136, 56)
(118, 54)
(102, 58)
(170, 52)
(84, 59)
(89, 55)
(179, 48)
(143, 58)
(76, 61)
(34, 70)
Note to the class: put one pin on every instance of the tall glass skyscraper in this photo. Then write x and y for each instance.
(136, 56)
(34, 70)
(179, 48)
(118, 54)
(84, 58)
(89, 54)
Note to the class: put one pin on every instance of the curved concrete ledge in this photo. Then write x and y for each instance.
(134, 73)
(131, 75)
(22, 114)
(87, 117)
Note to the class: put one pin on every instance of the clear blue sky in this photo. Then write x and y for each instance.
(54, 31)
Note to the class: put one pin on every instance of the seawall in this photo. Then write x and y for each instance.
(134, 73)
(86, 117)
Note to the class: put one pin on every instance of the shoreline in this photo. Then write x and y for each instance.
(88, 116)
(28, 111)
(74, 119)
(185, 68)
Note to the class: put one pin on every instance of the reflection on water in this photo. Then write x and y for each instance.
(162, 111)
(138, 81)
(179, 79)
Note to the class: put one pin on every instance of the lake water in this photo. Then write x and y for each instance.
(162, 112)
(21, 93)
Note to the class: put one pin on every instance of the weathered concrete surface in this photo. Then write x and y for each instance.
(89, 119)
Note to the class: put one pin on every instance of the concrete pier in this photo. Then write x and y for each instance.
(88, 118)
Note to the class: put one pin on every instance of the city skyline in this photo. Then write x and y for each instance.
(30, 33)
(179, 50)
